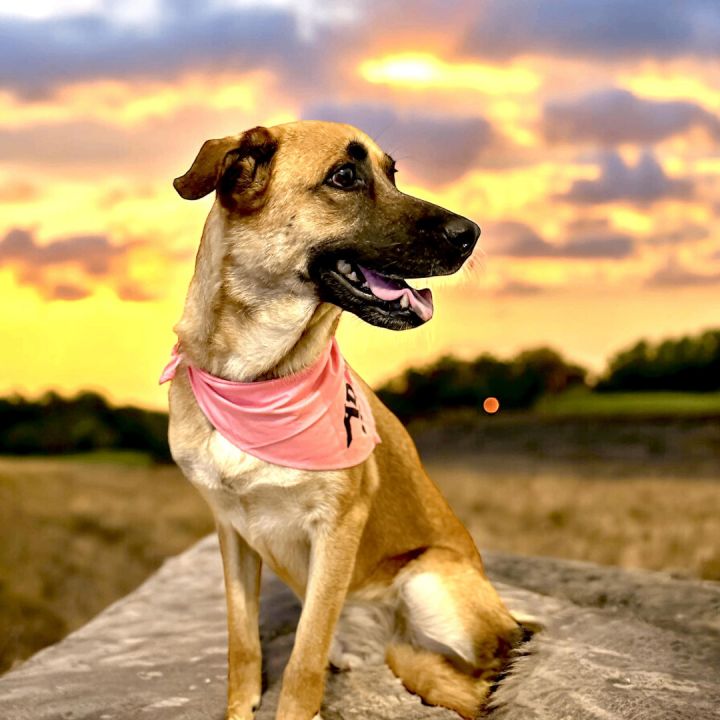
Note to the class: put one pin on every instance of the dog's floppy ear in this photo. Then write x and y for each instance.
(238, 167)
(202, 177)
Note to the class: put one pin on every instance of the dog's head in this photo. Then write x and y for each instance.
(313, 207)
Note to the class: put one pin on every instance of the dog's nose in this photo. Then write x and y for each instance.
(462, 233)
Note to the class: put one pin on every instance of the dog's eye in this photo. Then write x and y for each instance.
(344, 178)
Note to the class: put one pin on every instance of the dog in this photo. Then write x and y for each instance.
(307, 222)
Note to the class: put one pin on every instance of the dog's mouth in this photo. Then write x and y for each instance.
(376, 297)
(394, 293)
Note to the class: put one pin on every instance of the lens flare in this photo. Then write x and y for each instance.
(491, 405)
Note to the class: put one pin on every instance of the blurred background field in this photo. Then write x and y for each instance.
(584, 403)
(77, 533)
(570, 469)
(80, 531)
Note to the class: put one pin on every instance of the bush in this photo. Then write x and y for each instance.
(689, 364)
(56, 425)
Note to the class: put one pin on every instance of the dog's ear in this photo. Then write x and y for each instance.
(238, 167)
(203, 175)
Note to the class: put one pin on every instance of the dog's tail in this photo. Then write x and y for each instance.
(437, 681)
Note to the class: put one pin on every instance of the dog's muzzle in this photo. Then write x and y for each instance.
(370, 281)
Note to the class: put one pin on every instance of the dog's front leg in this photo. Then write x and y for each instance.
(241, 567)
(332, 561)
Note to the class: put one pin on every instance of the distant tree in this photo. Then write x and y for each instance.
(546, 372)
(689, 364)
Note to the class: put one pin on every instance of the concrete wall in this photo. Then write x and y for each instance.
(616, 644)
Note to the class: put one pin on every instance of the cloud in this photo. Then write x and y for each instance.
(312, 45)
(678, 234)
(518, 288)
(614, 116)
(583, 225)
(67, 143)
(675, 275)
(684, 234)
(92, 257)
(89, 145)
(434, 148)
(615, 245)
(91, 253)
(597, 29)
(642, 184)
(66, 291)
(18, 192)
(515, 239)
(133, 292)
(437, 149)
(38, 55)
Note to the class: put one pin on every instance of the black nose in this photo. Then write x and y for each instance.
(462, 233)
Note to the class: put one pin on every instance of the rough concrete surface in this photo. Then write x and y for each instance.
(614, 644)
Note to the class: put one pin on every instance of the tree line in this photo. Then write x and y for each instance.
(56, 425)
(451, 384)
(686, 364)
(689, 364)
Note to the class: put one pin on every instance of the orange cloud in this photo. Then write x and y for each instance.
(131, 102)
(72, 268)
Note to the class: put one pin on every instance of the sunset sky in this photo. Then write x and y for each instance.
(582, 135)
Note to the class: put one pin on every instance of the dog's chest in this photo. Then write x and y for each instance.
(277, 510)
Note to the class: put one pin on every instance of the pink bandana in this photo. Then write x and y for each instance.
(317, 419)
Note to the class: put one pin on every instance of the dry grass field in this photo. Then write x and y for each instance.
(628, 491)
(76, 534)
(642, 520)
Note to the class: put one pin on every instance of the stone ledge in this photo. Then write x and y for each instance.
(616, 644)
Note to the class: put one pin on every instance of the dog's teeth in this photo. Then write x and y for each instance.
(404, 302)
(352, 276)
(344, 267)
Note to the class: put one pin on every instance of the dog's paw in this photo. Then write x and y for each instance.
(243, 710)
(240, 714)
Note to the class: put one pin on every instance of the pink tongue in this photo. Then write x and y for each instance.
(420, 300)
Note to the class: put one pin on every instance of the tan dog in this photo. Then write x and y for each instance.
(384, 569)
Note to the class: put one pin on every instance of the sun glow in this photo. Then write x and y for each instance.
(678, 84)
(423, 71)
